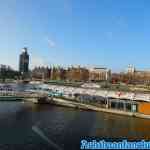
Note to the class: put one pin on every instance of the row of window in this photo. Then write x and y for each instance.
(117, 104)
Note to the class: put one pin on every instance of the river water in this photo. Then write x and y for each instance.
(25, 126)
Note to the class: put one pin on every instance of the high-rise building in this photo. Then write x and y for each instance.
(24, 62)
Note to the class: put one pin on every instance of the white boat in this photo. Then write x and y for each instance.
(35, 82)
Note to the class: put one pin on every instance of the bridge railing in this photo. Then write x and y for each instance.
(22, 94)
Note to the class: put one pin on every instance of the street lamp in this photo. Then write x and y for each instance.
(133, 107)
(106, 97)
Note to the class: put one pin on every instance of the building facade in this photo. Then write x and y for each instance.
(6, 72)
(58, 73)
(99, 74)
(41, 73)
(24, 62)
(132, 76)
(77, 74)
(142, 77)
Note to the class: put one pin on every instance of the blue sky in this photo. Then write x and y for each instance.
(107, 33)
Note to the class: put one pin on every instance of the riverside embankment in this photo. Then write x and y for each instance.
(77, 105)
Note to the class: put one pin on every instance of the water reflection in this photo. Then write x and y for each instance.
(64, 126)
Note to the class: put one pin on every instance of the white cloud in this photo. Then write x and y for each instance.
(51, 43)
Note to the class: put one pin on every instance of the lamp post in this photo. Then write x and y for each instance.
(106, 97)
(133, 108)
